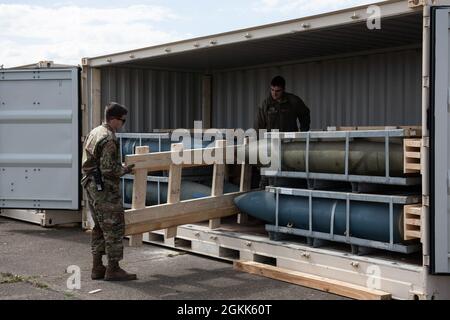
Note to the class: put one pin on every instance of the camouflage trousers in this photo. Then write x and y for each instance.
(108, 215)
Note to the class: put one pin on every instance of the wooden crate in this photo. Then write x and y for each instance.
(412, 156)
(141, 219)
(413, 222)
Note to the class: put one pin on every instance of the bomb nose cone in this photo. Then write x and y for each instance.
(258, 204)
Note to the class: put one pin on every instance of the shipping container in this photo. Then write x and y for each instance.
(382, 65)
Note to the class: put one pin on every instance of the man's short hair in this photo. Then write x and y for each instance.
(278, 81)
(115, 110)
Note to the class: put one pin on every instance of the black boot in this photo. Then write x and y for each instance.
(98, 269)
(115, 273)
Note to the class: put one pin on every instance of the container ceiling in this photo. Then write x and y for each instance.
(395, 31)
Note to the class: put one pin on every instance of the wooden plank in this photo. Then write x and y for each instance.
(413, 143)
(191, 218)
(414, 155)
(218, 182)
(311, 281)
(412, 222)
(185, 212)
(414, 209)
(413, 166)
(169, 222)
(245, 184)
(170, 233)
(139, 194)
(173, 189)
(413, 234)
(163, 160)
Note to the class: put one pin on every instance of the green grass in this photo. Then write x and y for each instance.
(8, 278)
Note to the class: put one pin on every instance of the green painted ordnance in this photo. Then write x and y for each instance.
(366, 156)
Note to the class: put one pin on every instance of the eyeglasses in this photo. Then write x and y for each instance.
(123, 120)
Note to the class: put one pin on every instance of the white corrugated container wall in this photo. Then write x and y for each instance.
(156, 99)
(381, 89)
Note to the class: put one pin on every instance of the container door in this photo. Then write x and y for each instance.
(440, 155)
(39, 139)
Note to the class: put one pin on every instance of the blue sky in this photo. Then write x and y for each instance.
(65, 31)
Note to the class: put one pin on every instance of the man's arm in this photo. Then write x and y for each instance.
(109, 166)
(261, 121)
(304, 116)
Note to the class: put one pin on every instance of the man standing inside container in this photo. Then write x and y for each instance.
(102, 169)
(281, 110)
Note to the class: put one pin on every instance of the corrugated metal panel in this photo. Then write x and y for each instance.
(39, 139)
(294, 46)
(156, 99)
(328, 33)
(371, 90)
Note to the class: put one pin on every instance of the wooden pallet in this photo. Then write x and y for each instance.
(311, 281)
(141, 219)
(412, 221)
(412, 156)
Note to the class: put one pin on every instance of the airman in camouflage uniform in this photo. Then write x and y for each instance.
(284, 112)
(281, 110)
(102, 169)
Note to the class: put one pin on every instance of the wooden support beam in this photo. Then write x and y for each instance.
(186, 212)
(412, 222)
(311, 281)
(245, 184)
(412, 155)
(163, 160)
(173, 189)
(410, 131)
(218, 181)
(139, 194)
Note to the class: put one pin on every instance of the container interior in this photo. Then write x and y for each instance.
(347, 75)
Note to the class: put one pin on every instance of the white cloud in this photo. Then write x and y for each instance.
(66, 34)
(302, 8)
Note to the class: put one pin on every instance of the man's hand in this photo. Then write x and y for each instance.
(129, 168)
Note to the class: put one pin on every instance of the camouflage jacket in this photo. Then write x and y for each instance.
(101, 150)
(283, 115)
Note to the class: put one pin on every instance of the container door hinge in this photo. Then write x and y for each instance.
(426, 261)
(426, 82)
(426, 201)
(426, 22)
(83, 107)
(448, 182)
(426, 142)
(448, 101)
(420, 3)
